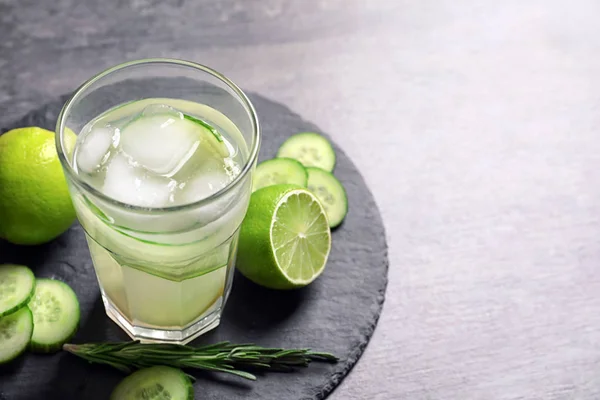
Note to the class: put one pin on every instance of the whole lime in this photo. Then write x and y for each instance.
(35, 206)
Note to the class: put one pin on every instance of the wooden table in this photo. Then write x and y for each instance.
(476, 125)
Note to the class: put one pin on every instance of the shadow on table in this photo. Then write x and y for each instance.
(97, 327)
(253, 307)
(25, 255)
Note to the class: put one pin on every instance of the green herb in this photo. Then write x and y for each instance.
(235, 359)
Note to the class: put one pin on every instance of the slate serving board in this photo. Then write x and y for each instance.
(337, 313)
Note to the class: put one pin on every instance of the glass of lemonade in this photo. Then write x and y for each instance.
(158, 155)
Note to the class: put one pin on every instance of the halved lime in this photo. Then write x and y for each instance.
(285, 238)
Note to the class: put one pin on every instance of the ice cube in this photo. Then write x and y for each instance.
(205, 184)
(161, 109)
(160, 140)
(201, 186)
(131, 184)
(94, 149)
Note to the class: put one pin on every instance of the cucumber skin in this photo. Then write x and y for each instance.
(189, 387)
(38, 347)
(336, 223)
(24, 349)
(26, 301)
(44, 348)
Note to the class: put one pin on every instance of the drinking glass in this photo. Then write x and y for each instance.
(164, 273)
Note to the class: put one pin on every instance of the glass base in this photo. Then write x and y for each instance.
(154, 335)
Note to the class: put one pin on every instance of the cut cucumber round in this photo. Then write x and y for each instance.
(311, 149)
(277, 171)
(15, 333)
(56, 315)
(17, 283)
(331, 194)
(155, 383)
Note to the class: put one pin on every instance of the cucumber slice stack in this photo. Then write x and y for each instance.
(17, 284)
(307, 159)
(42, 314)
(15, 333)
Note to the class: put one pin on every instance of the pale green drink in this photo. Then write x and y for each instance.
(169, 280)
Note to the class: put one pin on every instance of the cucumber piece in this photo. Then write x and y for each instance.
(311, 149)
(15, 333)
(331, 194)
(17, 283)
(56, 315)
(155, 383)
(279, 170)
(205, 125)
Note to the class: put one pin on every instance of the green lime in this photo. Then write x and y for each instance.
(284, 239)
(35, 206)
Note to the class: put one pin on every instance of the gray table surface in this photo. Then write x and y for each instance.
(475, 124)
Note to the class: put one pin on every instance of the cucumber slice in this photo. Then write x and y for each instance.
(279, 170)
(17, 283)
(205, 125)
(56, 315)
(311, 149)
(15, 333)
(155, 383)
(331, 194)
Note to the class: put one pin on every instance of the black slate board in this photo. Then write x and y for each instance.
(337, 313)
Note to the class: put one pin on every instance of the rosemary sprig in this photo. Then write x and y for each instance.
(234, 359)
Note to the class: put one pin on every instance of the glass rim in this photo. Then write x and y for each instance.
(61, 124)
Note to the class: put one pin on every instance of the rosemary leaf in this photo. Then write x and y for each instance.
(225, 357)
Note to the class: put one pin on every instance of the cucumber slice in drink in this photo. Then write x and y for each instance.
(155, 383)
(17, 283)
(15, 333)
(56, 315)
(206, 126)
(279, 170)
(331, 194)
(311, 149)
